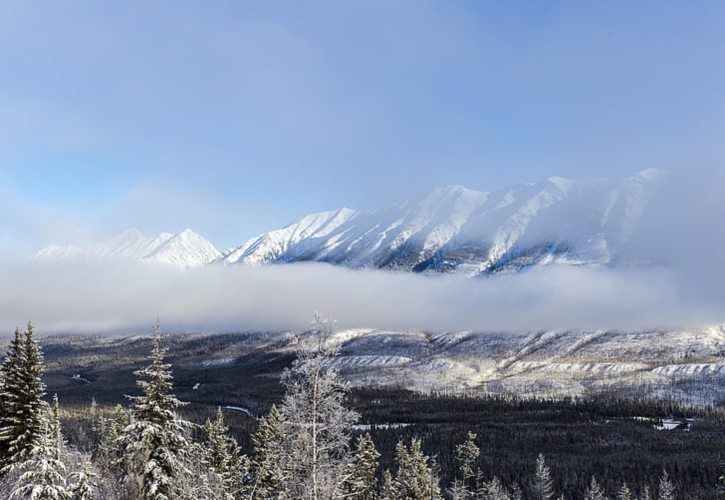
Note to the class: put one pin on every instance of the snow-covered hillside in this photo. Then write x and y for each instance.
(184, 249)
(473, 232)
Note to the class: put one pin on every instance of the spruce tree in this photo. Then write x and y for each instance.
(24, 417)
(155, 441)
(43, 472)
(415, 479)
(466, 455)
(223, 455)
(361, 477)
(666, 488)
(624, 493)
(11, 394)
(269, 452)
(542, 488)
(594, 492)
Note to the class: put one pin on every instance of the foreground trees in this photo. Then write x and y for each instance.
(305, 448)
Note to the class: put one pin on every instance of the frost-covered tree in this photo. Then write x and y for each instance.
(318, 423)
(223, 456)
(542, 488)
(361, 475)
(24, 409)
(387, 488)
(666, 488)
(494, 490)
(43, 472)
(10, 393)
(624, 493)
(516, 492)
(466, 454)
(84, 483)
(269, 441)
(646, 494)
(415, 479)
(594, 492)
(155, 442)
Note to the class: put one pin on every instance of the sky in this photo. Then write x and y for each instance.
(233, 118)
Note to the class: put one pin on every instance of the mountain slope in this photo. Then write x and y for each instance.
(185, 249)
(472, 232)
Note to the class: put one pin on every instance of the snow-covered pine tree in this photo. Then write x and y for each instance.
(594, 492)
(10, 395)
(466, 454)
(494, 490)
(223, 455)
(270, 476)
(83, 483)
(666, 488)
(415, 478)
(387, 488)
(516, 492)
(23, 425)
(646, 494)
(318, 423)
(43, 472)
(156, 439)
(542, 488)
(624, 493)
(361, 474)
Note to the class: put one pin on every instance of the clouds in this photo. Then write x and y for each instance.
(96, 296)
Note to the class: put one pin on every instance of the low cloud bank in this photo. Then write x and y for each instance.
(671, 274)
(125, 297)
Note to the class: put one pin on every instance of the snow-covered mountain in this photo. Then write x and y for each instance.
(459, 229)
(184, 249)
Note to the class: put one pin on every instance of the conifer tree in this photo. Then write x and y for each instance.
(415, 479)
(83, 484)
(269, 452)
(318, 423)
(646, 494)
(387, 488)
(594, 492)
(542, 488)
(466, 455)
(494, 490)
(666, 488)
(155, 441)
(223, 455)
(43, 473)
(361, 477)
(25, 418)
(624, 493)
(11, 394)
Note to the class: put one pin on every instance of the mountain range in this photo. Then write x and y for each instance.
(452, 229)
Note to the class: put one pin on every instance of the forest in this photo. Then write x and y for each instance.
(320, 439)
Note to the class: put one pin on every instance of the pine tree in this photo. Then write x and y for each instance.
(223, 455)
(594, 492)
(646, 495)
(516, 492)
(542, 488)
(43, 470)
(387, 488)
(269, 452)
(415, 479)
(318, 423)
(24, 421)
(666, 488)
(466, 455)
(361, 476)
(155, 441)
(84, 483)
(494, 490)
(11, 394)
(624, 493)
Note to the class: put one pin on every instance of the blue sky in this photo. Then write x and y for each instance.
(236, 117)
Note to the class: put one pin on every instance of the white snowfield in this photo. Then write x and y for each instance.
(688, 365)
(452, 229)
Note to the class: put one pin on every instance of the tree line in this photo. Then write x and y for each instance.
(306, 447)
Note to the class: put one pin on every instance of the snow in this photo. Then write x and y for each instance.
(557, 221)
(185, 249)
